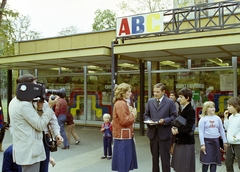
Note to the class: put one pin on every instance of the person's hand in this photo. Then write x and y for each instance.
(51, 102)
(234, 138)
(225, 146)
(226, 113)
(203, 149)
(40, 105)
(161, 121)
(133, 111)
(102, 129)
(52, 161)
(174, 130)
(59, 139)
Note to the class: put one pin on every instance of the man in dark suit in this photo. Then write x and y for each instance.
(162, 111)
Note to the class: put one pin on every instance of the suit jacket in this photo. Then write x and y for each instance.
(27, 127)
(167, 111)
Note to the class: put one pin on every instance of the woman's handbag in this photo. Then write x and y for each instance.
(52, 143)
(179, 121)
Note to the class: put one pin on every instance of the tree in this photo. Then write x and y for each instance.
(104, 20)
(13, 27)
(68, 31)
(6, 29)
(143, 6)
(22, 29)
(2, 7)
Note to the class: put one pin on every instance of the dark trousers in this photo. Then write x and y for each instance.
(233, 151)
(44, 164)
(107, 146)
(160, 148)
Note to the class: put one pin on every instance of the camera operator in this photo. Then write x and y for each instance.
(27, 127)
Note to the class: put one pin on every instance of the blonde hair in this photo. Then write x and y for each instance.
(206, 105)
(119, 90)
(106, 116)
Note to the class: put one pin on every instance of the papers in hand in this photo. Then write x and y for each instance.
(151, 122)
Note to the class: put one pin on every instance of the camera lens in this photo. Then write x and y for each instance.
(53, 97)
(61, 93)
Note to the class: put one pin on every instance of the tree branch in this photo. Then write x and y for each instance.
(3, 4)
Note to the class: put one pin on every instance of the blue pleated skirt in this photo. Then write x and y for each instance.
(124, 156)
(213, 155)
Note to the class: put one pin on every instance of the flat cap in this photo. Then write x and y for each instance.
(26, 78)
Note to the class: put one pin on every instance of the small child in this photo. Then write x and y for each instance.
(233, 132)
(107, 136)
(71, 129)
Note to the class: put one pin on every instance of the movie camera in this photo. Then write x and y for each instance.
(36, 92)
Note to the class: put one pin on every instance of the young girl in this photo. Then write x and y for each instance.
(210, 129)
(107, 136)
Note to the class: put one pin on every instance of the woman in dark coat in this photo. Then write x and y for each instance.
(183, 158)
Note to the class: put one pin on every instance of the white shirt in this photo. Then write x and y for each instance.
(232, 125)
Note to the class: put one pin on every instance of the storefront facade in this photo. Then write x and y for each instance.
(183, 54)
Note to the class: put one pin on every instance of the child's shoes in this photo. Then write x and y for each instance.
(103, 157)
(109, 157)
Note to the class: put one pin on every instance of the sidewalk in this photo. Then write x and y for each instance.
(86, 157)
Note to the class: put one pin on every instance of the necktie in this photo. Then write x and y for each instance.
(158, 102)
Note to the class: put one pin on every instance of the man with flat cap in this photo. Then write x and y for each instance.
(27, 129)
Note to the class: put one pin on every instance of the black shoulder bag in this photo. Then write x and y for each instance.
(52, 143)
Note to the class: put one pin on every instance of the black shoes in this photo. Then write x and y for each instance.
(103, 157)
(66, 147)
(108, 158)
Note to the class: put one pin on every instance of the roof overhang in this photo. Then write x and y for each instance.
(66, 58)
(195, 48)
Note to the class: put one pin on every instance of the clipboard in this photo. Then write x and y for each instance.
(151, 122)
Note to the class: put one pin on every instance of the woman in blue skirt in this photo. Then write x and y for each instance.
(124, 156)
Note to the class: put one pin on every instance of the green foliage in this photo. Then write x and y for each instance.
(104, 20)
(14, 27)
(6, 31)
(143, 6)
(68, 31)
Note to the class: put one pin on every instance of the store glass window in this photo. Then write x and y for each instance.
(98, 96)
(214, 85)
(73, 86)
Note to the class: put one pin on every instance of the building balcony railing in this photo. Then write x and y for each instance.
(198, 18)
